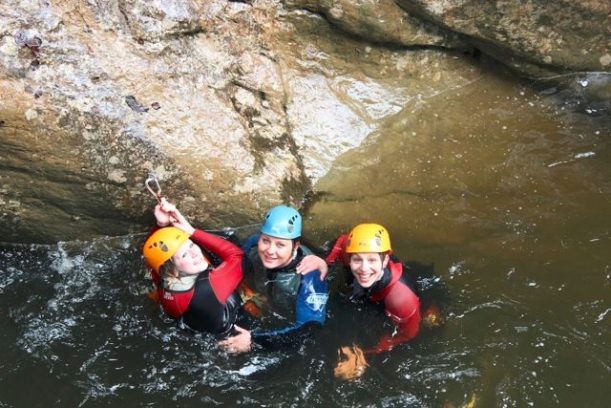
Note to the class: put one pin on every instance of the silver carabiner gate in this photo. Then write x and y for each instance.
(153, 186)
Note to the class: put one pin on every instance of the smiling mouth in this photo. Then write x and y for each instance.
(365, 278)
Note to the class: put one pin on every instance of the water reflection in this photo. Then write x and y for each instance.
(507, 192)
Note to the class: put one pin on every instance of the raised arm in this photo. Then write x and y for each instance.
(337, 252)
(226, 277)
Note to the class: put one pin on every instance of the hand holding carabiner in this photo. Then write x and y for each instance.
(162, 215)
(167, 214)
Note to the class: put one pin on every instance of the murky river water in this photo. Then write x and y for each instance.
(508, 194)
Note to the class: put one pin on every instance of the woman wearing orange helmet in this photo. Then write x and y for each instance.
(379, 278)
(196, 273)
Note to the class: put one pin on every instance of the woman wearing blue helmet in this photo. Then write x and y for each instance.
(277, 258)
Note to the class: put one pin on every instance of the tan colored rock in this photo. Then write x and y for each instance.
(96, 95)
(534, 37)
(235, 106)
(380, 21)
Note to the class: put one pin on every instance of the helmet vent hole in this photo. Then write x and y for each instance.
(163, 246)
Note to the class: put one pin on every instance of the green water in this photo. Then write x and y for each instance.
(508, 194)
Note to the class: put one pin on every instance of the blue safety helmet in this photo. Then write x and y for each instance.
(282, 222)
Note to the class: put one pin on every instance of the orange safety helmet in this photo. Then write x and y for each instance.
(368, 238)
(162, 245)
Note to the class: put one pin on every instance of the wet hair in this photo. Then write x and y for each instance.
(168, 271)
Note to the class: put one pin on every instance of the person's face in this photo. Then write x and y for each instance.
(189, 258)
(367, 267)
(275, 252)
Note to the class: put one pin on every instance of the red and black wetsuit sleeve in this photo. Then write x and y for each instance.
(403, 307)
(215, 302)
(338, 253)
(226, 277)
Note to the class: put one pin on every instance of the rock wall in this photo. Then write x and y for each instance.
(235, 106)
(95, 95)
(380, 21)
(535, 37)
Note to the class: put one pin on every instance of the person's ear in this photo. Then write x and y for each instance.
(385, 261)
(296, 244)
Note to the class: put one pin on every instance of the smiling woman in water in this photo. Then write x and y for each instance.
(189, 285)
(277, 257)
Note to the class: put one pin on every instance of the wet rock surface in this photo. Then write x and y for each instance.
(97, 95)
(235, 106)
(536, 38)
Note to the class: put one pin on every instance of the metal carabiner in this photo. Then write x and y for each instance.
(153, 186)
